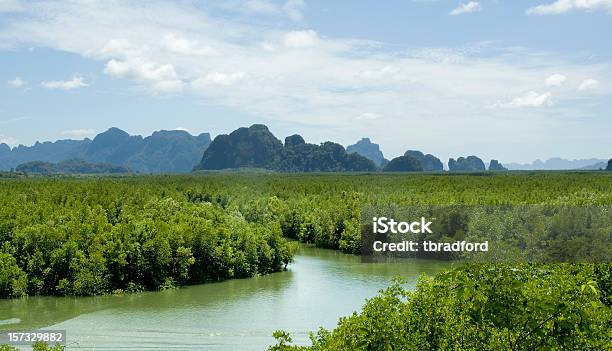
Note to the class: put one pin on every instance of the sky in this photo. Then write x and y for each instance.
(508, 80)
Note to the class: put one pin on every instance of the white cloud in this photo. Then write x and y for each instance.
(10, 141)
(10, 6)
(117, 68)
(117, 48)
(168, 86)
(563, 6)
(336, 85)
(131, 61)
(472, 6)
(385, 72)
(218, 78)
(79, 133)
(74, 83)
(161, 78)
(300, 39)
(555, 80)
(529, 99)
(588, 84)
(17, 82)
(369, 116)
(184, 46)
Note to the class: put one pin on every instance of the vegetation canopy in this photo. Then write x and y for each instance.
(96, 235)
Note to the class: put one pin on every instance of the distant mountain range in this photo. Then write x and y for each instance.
(597, 166)
(257, 147)
(416, 161)
(372, 151)
(557, 163)
(164, 151)
(178, 151)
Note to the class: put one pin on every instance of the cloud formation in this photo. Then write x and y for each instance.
(184, 46)
(383, 73)
(472, 6)
(563, 6)
(529, 99)
(10, 141)
(160, 78)
(217, 78)
(73, 83)
(295, 75)
(17, 82)
(588, 84)
(555, 80)
(300, 39)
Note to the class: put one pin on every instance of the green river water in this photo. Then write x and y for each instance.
(318, 288)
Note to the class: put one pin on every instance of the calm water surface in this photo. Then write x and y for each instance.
(241, 314)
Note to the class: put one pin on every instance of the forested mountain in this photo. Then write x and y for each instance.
(466, 164)
(163, 152)
(369, 150)
(257, 147)
(429, 162)
(47, 151)
(496, 166)
(72, 166)
(404, 164)
(178, 151)
(609, 167)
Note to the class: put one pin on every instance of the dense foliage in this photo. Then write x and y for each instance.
(257, 147)
(71, 236)
(488, 306)
(163, 151)
(87, 237)
(96, 235)
(609, 167)
(72, 166)
(481, 307)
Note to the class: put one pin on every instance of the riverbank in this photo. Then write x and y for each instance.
(240, 314)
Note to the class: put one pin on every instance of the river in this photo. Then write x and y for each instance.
(241, 314)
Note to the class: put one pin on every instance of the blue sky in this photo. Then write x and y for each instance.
(512, 80)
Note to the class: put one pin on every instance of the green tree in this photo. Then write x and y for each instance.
(13, 280)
